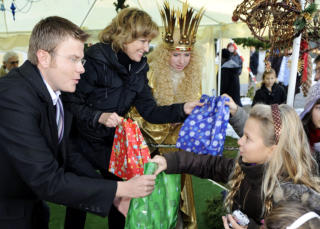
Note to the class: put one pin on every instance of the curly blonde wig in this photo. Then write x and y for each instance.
(188, 90)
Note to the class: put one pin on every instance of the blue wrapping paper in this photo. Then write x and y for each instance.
(204, 131)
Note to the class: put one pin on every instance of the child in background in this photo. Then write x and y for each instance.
(270, 92)
(268, 163)
(292, 215)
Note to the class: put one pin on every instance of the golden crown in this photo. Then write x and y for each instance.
(188, 23)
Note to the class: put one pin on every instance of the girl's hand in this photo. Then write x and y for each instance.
(230, 220)
(232, 105)
(162, 163)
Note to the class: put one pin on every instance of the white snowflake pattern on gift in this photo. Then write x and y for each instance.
(226, 117)
(208, 142)
(192, 122)
(219, 104)
(197, 143)
(182, 133)
(202, 125)
(192, 134)
(199, 117)
(215, 143)
(178, 144)
(188, 149)
(210, 120)
(207, 133)
(220, 136)
(195, 111)
(218, 123)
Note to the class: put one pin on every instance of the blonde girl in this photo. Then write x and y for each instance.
(274, 158)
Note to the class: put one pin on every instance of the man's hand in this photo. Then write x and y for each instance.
(189, 106)
(122, 204)
(232, 105)
(136, 187)
(110, 119)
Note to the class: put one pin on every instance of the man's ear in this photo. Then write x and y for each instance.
(44, 58)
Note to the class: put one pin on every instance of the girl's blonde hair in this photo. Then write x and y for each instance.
(129, 25)
(270, 71)
(159, 61)
(291, 161)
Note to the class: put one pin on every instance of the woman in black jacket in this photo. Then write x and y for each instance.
(114, 80)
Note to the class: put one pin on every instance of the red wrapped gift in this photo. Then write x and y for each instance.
(129, 151)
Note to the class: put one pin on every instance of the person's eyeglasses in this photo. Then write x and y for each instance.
(14, 62)
(73, 59)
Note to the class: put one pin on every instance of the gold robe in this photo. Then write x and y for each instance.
(175, 87)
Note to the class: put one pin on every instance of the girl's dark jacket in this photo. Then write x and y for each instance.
(276, 96)
(108, 86)
(248, 197)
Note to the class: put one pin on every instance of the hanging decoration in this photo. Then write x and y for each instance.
(306, 71)
(312, 32)
(2, 8)
(13, 10)
(119, 4)
(274, 21)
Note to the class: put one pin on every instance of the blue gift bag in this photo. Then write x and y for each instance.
(204, 131)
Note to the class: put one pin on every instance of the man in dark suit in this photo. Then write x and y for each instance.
(36, 153)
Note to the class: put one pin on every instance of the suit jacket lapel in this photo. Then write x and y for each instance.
(32, 75)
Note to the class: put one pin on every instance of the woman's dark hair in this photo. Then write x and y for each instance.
(307, 120)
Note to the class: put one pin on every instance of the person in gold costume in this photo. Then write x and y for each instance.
(175, 76)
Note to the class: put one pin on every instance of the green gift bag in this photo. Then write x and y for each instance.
(160, 209)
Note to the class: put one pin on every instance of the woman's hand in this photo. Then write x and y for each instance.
(232, 105)
(136, 187)
(189, 106)
(162, 163)
(230, 220)
(110, 119)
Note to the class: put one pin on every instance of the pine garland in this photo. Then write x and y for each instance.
(249, 42)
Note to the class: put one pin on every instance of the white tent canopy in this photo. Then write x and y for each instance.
(96, 14)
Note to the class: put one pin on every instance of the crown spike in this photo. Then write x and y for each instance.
(188, 22)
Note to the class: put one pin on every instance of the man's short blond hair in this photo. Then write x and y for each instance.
(49, 33)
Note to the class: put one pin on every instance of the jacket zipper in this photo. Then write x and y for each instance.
(245, 198)
(142, 67)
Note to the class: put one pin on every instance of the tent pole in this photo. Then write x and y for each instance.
(85, 18)
(219, 69)
(294, 65)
